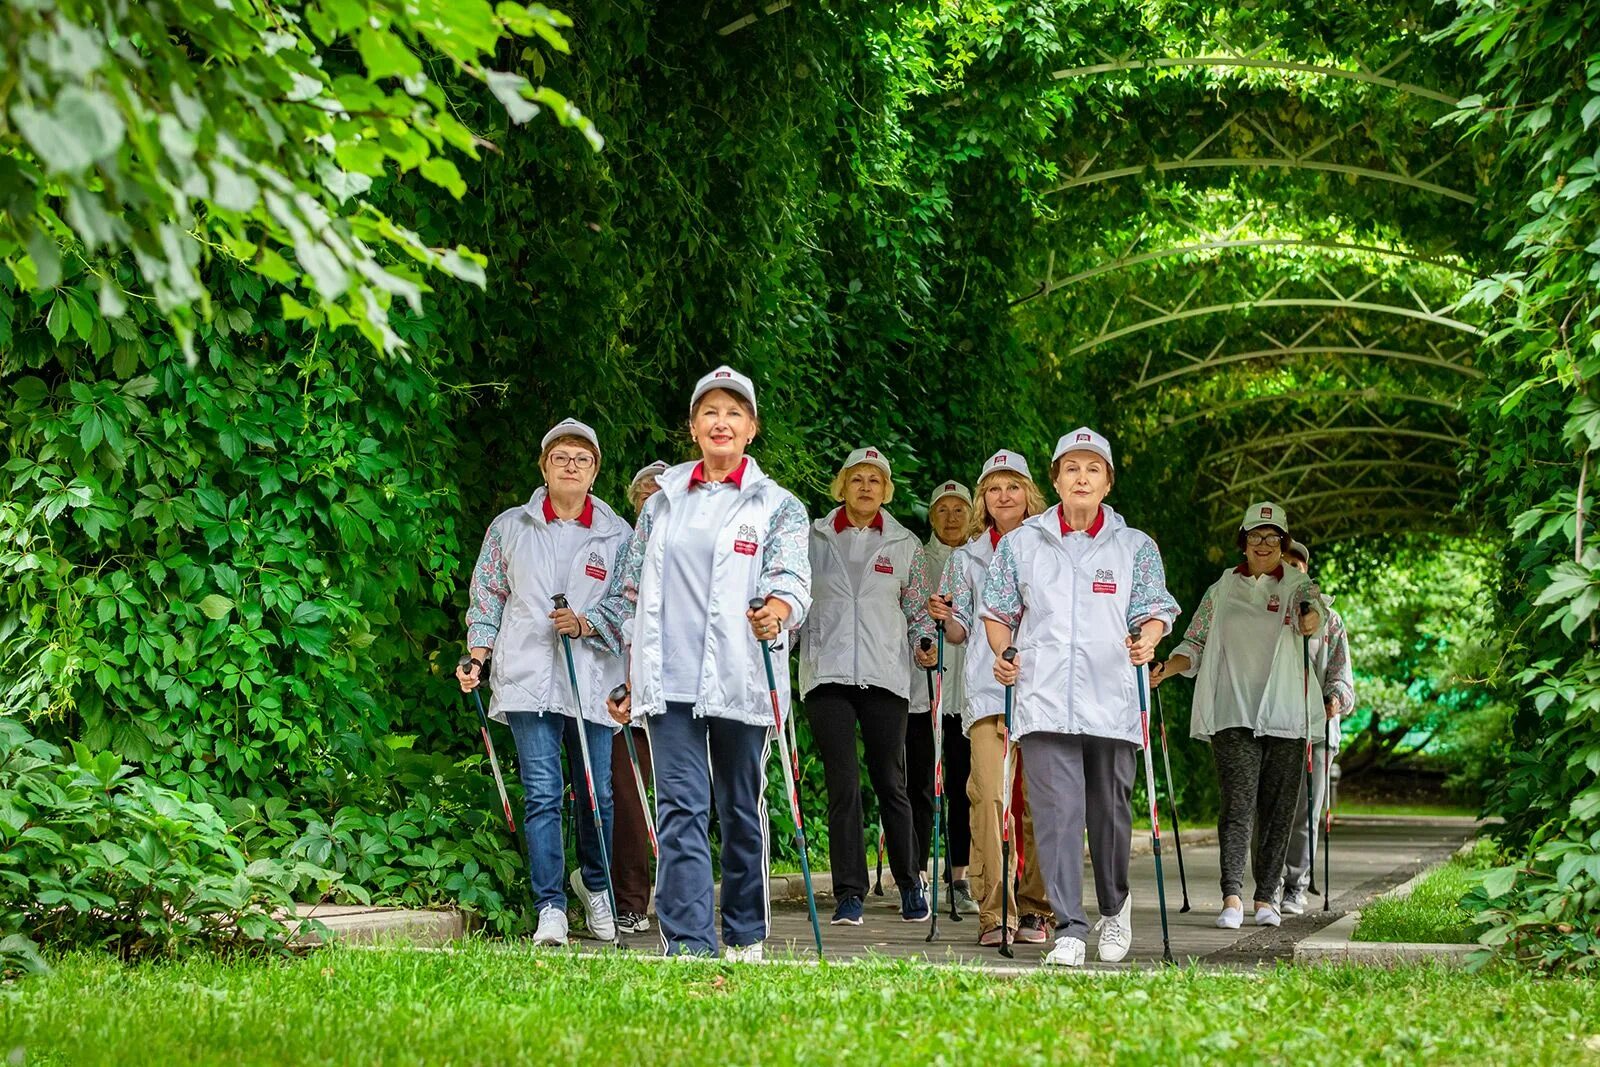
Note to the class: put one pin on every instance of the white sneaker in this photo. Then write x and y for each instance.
(1116, 932)
(552, 926)
(1294, 902)
(596, 910)
(1069, 952)
(742, 953)
(1268, 916)
(1230, 918)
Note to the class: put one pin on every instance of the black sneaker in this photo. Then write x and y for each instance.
(1032, 931)
(848, 913)
(913, 904)
(631, 922)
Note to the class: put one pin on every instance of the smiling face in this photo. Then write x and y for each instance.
(570, 464)
(949, 519)
(864, 488)
(1005, 498)
(1082, 479)
(1263, 548)
(723, 427)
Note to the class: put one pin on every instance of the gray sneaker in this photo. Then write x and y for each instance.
(1294, 902)
(961, 893)
(596, 909)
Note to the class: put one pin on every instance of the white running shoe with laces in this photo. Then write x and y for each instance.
(1116, 932)
(1294, 902)
(742, 953)
(552, 926)
(1069, 952)
(596, 909)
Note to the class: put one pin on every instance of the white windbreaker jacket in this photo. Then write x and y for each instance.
(1070, 598)
(518, 572)
(760, 552)
(935, 556)
(1246, 657)
(962, 582)
(863, 618)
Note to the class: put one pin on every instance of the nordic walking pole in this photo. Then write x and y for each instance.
(756, 604)
(935, 691)
(938, 750)
(588, 776)
(877, 886)
(1142, 678)
(1305, 688)
(1172, 801)
(618, 695)
(488, 746)
(1009, 655)
(1327, 823)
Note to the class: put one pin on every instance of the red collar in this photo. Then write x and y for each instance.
(1094, 527)
(1244, 569)
(585, 517)
(735, 476)
(994, 537)
(841, 521)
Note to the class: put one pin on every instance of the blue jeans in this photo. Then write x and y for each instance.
(539, 739)
(688, 752)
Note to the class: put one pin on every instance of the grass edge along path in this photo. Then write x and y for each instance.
(503, 1004)
(1431, 913)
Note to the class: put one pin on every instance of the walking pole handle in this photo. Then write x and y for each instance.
(1010, 654)
(927, 643)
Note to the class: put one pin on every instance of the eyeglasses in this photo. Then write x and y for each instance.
(579, 461)
(1270, 540)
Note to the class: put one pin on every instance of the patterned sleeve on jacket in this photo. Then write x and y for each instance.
(610, 614)
(1002, 588)
(1338, 679)
(914, 597)
(1193, 644)
(488, 591)
(786, 560)
(1150, 598)
(954, 587)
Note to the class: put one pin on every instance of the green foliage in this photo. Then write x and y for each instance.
(169, 131)
(96, 855)
(1433, 911)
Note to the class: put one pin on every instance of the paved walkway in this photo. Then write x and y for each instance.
(1369, 856)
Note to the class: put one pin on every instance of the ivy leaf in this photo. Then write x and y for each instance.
(385, 55)
(444, 174)
(59, 320)
(1498, 882)
(216, 606)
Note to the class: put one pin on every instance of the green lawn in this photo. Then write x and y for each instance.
(1432, 911)
(510, 1004)
(1424, 810)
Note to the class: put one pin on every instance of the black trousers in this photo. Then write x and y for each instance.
(956, 828)
(835, 713)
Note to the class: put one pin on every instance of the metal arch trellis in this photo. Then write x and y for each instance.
(1305, 159)
(1323, 70)
(1343, 471)
(1455, 440)
(1404, 497)
(1371, 394)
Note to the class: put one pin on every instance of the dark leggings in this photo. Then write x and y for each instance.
(957, 824)
(835, 712)
(1261, 779)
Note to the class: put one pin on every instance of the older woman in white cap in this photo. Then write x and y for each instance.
(869, 584)
(630, 856)
(1066, 589)
(1006, 496)
(718, 534)
(949, 513)
(562, 541)
(1250, 703)
(1334, 681)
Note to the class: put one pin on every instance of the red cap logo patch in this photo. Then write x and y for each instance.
(1084, 437)
(950, 486)
(999, 459)
(723, 374)
(871, 454)
(1266, 513)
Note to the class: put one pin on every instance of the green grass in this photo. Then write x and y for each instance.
(1432, 912)
(510, 1004)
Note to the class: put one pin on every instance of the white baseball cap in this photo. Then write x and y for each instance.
(955, 489)
(1265, 513)
(1297, 548)
(571, 428)
(724, 377)
(871, 456)
(649, 470)
(1083, 439)
(1004, 460)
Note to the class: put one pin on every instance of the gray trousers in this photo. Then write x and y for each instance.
(1077, 783)
(1261, 780)
(1303, 848)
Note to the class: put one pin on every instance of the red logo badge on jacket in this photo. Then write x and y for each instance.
(745, 542)
(595, 567)
(883, 565)
(1275, 605)
(1105, 581)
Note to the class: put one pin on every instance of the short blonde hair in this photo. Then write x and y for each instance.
(980, 520)
(640, 490)
(840, 480)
